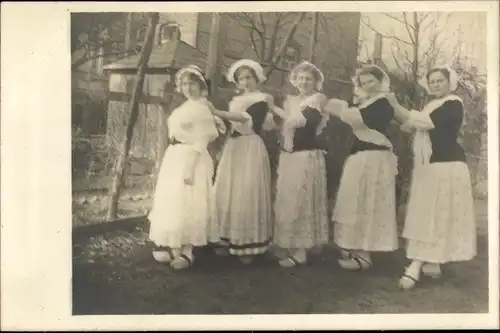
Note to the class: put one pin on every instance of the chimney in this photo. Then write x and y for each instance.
(168, 31)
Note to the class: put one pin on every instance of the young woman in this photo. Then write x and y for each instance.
(440, 222)
(243, 181)
(181, 217)
(365, 209)
(301, 198)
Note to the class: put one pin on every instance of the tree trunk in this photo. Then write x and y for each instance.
(127, 31)
(132, 114)
(284, 44)
(414, 70)
(213, 51)
(314, 34)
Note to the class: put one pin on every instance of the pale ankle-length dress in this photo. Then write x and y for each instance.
(243, 180)
(440, 224)
(183, 214)
(301, 196)
(365, 207)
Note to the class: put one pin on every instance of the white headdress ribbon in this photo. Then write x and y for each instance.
(300, 67)
(193, 69)
(259, 71)
(385, 83)
(453, 78)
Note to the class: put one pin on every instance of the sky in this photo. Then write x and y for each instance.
(469, 27)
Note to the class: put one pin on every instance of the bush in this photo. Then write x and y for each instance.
(81, 153)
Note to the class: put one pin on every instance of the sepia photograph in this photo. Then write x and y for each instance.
(279, 163)
(292, 165)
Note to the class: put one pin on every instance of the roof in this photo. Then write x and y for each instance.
(171, 54)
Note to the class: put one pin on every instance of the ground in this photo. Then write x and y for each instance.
(116, 274)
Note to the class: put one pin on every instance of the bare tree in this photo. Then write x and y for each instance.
(419, 48)
(269, 34)
(118, 170)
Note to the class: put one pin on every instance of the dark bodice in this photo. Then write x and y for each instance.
(376, 116)
(258, 111)
(447, 120)
(305, 137)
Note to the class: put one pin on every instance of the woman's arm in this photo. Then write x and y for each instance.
(233, 116)
(401, 114)
(275, 109)
(191, 166)
(410, 119)
(335, 107)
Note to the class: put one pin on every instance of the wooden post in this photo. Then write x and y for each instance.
(216, 50)
(124, 148)
(128, 23)
(314, 36)
(377, 49)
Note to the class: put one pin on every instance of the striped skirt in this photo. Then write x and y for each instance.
(243, 196)
(301, 200)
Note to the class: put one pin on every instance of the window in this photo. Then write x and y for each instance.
(290, 57)
(141, 35)
(169, 31)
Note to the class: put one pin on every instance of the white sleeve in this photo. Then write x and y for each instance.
(352, 117)
(269, 123)
(419, 120)
(221, 126)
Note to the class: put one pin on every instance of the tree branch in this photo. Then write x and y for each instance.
(284, 43)
(386, 35)
(394, 18)
(410, 32)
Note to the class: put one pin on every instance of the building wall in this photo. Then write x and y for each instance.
(335, 53)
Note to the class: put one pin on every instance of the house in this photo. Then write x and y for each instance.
(335, 53)
(157, 101)
(183, 38)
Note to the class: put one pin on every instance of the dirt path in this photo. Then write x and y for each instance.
(115, 274)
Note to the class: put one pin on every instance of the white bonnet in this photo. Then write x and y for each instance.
(193, 69)
(259, 71)
(306, 65)
(424, 82)
(385, 82)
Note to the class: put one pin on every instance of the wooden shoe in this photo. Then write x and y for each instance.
(430, 270)
(355, 263)
(164, 255)
(181, 262)
(407, 282)
(290, 262)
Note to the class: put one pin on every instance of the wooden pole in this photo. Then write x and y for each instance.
(215, 52)
(128, 23)
(314, 36)
(377, 50)
(124, 148)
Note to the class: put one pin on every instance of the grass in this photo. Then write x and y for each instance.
(116, 274)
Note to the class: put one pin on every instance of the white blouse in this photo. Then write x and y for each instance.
(192, 123)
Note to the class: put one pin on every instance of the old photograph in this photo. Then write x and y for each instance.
(279, 162)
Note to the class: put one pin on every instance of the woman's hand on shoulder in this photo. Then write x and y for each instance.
(391, 97)
(322, 100)
(269, 99)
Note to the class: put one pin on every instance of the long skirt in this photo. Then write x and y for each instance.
(243, 196)
(365, 209)
(183, 214)
(301, 200)
(440, 223)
